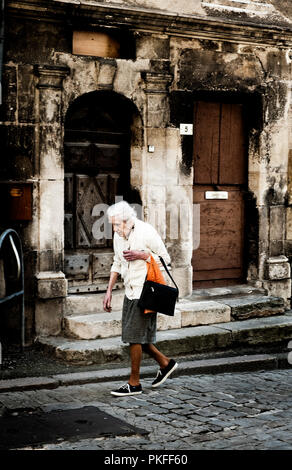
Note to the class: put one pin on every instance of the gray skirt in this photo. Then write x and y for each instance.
(137, 326)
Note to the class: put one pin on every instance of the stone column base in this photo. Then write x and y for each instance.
(51, 284)
(48, 317)
(183, 279)
(278, 283)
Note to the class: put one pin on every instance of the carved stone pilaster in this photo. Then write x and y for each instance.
(50, 170)
(50, 81)
(156, 89)
(51, 76)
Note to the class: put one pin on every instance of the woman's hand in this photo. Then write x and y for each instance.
(132, 255)
(107, 301)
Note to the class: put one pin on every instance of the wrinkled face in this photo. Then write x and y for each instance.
(121, 227)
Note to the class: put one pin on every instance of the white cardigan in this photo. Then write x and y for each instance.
(142, 237)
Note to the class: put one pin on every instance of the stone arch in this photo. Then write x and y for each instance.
(111, 110)
(102, 157)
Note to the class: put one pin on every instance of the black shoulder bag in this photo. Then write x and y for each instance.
(159, 297)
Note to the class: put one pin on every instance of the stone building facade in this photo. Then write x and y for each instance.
(170, 103)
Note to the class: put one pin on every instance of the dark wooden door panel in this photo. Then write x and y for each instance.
(220, 253)
(90, 191)
(206, 138)
(232, 162)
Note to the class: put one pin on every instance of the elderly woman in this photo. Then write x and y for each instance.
(134, 242)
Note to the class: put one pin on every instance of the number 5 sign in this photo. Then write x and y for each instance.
(186, 129)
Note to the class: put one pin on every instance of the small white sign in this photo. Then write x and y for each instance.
(216, 195)
(151, 148)
(186, 129)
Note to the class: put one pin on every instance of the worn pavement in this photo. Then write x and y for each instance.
(237, 410)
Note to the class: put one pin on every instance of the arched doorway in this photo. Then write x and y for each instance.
(97, 145)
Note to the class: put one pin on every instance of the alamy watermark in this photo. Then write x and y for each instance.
(173, 221)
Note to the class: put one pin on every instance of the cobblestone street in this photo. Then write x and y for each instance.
(249, 410)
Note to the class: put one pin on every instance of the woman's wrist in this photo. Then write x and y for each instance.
(145, 255)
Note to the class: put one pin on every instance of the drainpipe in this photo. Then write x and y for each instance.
(1, 45)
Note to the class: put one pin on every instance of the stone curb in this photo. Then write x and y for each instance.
(204, 366)
(28, 383)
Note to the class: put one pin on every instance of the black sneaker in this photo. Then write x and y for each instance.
(127, 389)
(162, 374)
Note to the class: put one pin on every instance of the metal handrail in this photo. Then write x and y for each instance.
(10, 233)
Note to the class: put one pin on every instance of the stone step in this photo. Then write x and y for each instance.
(79, 304)
(84, 304)
(214, 293)
(188, 313)
(175, 342)
(105, 325)
(253, 306)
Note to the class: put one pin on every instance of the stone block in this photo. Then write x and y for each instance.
(260, 331)
(51, 285)
(106, 74)
(50, 105)
(154, 47)
(9, 83)
(278, 268)
(277, 218)
(107, 325)
(244, 308)
(193, 339)
(26, 86)
(50, 260)
(91, 303)
(165, 322)
(203, 313)
(183, 278)
(156, 161)
(51, 160)
(289, 223)
(279, 147)
(280, 288)
(51, 208)
(96, 325)
(157, 110)
(48, 317)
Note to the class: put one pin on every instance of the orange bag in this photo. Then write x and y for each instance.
(154, 274)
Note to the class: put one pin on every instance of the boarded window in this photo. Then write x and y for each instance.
(98, 44)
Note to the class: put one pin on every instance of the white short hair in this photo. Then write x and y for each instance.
(122, 210)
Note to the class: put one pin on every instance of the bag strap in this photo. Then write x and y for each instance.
(165, 267)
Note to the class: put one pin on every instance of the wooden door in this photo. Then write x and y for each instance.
(93, 175)
(219, 172)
